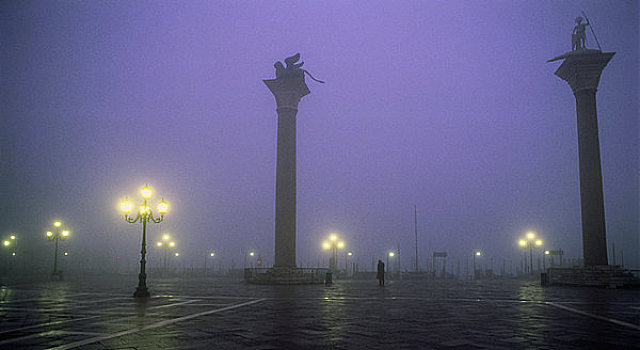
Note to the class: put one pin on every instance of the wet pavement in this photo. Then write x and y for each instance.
(215, 313)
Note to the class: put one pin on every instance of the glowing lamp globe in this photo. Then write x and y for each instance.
(146, 192)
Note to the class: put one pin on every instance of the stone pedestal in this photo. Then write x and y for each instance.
(288, 92)
(582, 70)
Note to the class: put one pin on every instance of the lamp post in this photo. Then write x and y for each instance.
(143, 216)
(206, 257)
(529, 242)
(165, 245)
(389, 255)
(333, 244)
(475, 273)
(346, 263)
(56, 237)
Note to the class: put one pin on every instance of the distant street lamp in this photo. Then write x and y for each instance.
(389, 255)
(346, 263)
(12, 245)
(143, 216)
(529, 242)
(165, 245)
(56, 237)
(475, 272)
(333, 244)
(206, 257)
(544, 264)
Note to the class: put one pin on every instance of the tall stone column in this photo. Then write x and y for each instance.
(288, 91)
(582, 70)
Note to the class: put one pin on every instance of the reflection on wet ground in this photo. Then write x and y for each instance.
(99, 313)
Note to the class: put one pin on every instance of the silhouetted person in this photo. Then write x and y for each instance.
(380, 275)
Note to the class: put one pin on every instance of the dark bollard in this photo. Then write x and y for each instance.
(544, 279)
(328, 279)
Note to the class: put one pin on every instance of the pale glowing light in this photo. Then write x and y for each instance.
(65, 253)
(340, 245)
(144, 210)
(478, 253)
(212, 254)
(13, 254)
(6, 243)
(538, 242)
(159, 244)
(126, 206)
(165, 237)
(163, 207)
(349, 253)
(177, 254)
(172, 244)
(326, 245)
(49, 234)
(522, 243)
(65, 233)
(531, 235)
(252, 254)
(392, 254)
(57, 224)
(12, 237)
(333, 237)
(546, 252)
(146, 192)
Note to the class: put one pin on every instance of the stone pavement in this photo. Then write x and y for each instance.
(198, 313)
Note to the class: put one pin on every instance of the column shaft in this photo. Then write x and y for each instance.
(285, 252)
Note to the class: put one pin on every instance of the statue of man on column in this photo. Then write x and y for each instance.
(579, 34)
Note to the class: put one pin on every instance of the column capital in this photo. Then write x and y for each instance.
(581, 69)
(287, 91)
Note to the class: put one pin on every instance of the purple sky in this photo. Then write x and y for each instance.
(447, 105)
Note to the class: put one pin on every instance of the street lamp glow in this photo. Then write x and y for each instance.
(326, 245)
(159, 244)
(13, 254)
(65, 233)
(6, 243)
(57, 224)
(340, 245)
(392, 254)
(251, 253)
(146, 192)
(65, 253)
(531, 235)
(212, 254)
(144, 210)
(126, 206)
(349, 253)
(333, 237)
(546, 252)
(163, 207)
(177, 254)
(13, 237)
(522, 243)
(478, 253)
(49, 234)
(538, 242)
(165, 237)
(172, 244)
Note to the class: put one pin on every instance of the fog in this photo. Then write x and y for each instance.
(448, 106)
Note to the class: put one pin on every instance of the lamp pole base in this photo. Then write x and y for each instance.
(141, 292)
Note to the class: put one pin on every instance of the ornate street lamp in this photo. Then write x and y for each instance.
(144, 215)
(529, 242)
(333, 245)
(56, 237)
(165, 245)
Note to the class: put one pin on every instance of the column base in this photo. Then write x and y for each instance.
(612, 276)
(285, 275)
